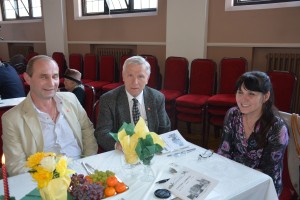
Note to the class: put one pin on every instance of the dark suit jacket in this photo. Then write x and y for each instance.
(114, 110)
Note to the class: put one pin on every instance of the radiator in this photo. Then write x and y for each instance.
(116, 52)
(287, 62)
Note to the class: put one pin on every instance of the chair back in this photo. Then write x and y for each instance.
(155, 76)
(176, 74)
(202, 77)
(291, 162)
(107, 68)
(59, 57)
(76, 61)
(230, 70)
(90, 67)
(89, 100)
(2, 111)
(284, 87)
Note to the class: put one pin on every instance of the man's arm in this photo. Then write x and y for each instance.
(105, 125)
(12, 147)
(164, 121)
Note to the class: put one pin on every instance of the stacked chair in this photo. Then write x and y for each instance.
(106, 73)
(111, 86)
(89, 68)
(89, 100)
(155, 76)
(284, 87)
(175, 83)
(217, 105)
(76, 61)
(59, 57)
(191, 107)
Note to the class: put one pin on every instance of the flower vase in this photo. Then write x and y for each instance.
(129, 165)
(56, 189)
(147, 173)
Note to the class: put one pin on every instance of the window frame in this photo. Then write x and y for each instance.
(229, 5)
(129, 12)
(18, 17)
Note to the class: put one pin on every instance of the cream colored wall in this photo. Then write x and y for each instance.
(243, 33)
(229, 34)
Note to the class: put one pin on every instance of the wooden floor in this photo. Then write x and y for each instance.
(196, 135)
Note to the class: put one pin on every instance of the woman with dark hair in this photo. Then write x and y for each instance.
(253, 132)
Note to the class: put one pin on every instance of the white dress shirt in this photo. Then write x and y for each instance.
(141, 106)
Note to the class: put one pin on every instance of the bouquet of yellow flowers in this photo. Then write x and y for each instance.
(138, 142)
(51, 174)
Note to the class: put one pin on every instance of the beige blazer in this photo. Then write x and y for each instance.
(22, 134)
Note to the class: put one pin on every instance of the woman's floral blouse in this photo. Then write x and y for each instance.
(269, 159)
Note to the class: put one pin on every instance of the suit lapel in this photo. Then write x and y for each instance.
(148, 101)
(123, 107)
(30, 118)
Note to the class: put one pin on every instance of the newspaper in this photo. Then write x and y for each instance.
(174, 142)
(188, 184)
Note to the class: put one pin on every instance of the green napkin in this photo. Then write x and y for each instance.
(129, 129)
(35, 195)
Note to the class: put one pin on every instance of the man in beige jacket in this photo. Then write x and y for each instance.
(46, 121)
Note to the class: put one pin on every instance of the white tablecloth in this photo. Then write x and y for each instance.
(11, 102)
(236, 181)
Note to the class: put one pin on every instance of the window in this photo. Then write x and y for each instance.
(113, 7)
(21, 9)
(259, 4)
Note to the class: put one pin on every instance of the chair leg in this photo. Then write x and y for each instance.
(188, 125)
(216, 131)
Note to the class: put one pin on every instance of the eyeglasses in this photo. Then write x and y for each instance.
(207, 153)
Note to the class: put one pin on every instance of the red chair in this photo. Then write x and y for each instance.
(89, 68)
(106, 74)
(175, 82)
(89, 100)
(284, 87)
(59, 57)
(2, 111)
(291, 162)
(76, 61)
(191, 108)
(31, 55)
(217, 105)
(112, 86)
(155, 76)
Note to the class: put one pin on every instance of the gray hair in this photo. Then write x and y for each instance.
(137, 60)
(29, 68)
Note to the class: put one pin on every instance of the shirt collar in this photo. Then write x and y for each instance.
(140, 97)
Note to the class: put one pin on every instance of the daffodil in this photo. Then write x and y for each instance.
(45, 167)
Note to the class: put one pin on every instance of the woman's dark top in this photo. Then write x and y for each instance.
(268, 159)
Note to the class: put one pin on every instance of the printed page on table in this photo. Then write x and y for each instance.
(174, 141)
(188, 184)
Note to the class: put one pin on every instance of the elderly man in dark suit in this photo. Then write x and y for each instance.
(125, 102)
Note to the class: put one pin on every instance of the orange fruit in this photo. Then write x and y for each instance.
(120, 187)
(111, 181)
(89, 179)
(109, 191)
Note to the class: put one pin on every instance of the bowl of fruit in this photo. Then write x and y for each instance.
(95, 186)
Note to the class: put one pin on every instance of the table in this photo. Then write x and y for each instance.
(11, 102)
(236, 181)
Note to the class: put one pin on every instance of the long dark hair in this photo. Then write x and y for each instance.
(260, 82)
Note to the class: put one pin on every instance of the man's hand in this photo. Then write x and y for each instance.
(118, 146)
